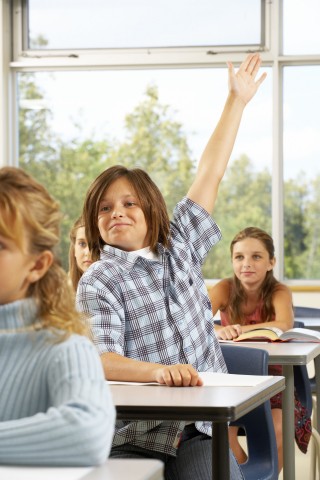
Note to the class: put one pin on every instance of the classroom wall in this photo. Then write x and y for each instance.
(306, 298)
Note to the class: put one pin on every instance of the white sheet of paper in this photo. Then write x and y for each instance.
(42, 473)
(215, 379)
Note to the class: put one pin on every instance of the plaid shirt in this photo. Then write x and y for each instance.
(156, 311)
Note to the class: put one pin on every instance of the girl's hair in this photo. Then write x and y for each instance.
(150, 198)
(30, 217)
(268, 287)
(74, 271)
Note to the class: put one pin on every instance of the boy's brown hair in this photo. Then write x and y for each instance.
(150, 198)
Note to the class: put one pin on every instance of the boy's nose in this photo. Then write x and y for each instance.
(117, 213)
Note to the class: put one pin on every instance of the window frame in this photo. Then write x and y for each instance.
(14, 28)
(121, 57)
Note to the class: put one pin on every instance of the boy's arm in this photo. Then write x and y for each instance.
(123, 369)
(214, 160)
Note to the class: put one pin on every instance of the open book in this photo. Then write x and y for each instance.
(273, 334)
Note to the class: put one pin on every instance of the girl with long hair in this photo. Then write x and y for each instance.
(55, 406)
(251, 298)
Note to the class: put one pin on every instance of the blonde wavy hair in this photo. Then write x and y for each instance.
(30, 216)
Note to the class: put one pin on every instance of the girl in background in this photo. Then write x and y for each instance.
(79, 253)
(250, 298)
(55, 406)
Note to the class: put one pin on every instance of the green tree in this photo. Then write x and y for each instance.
(310, 257)
(77, 164)
(244, 199)
(295, 194)
(156, 143)
(66, 169)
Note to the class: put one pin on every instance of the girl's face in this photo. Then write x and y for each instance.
(81, 250)
(17, 271)
(251, 262)
(121, 221)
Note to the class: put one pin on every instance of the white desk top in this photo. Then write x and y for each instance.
(287, 353)
(114, 469)
(218, 403)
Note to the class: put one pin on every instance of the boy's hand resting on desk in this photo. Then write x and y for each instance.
(180, 375)
(228, 333)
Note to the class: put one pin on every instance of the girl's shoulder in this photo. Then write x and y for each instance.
(77, 347)
(220, 293)
(281, 290)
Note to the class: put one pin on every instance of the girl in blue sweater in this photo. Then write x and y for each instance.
(55, 406)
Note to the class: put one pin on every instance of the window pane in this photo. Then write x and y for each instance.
(67, 24)
(302, 172)
(301, 33)
(75, 124)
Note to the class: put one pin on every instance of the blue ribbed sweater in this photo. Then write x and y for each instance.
(55, 406)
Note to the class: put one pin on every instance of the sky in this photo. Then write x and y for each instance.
(144, 23)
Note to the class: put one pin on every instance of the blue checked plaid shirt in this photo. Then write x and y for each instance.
(156, 311)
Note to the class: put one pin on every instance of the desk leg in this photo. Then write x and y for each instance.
(288, 424)
(220, 451)
(317, 373)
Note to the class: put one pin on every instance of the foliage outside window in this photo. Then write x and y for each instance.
(155, 135)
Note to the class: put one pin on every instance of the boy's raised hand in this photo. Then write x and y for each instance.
(214, 159)
(242, 83)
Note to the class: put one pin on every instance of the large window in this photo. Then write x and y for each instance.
(103, 83)
(159, 120)
(301, 27)
(302, 171)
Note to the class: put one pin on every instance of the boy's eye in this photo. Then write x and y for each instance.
(104, 208)
(238, 257)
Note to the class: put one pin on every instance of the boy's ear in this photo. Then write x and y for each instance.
(272, 264)
(41, 265)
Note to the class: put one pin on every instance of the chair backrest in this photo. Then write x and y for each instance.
(298, 324)
(306, 312)
(262, 460)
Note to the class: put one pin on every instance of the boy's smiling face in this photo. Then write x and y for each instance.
(121, 221)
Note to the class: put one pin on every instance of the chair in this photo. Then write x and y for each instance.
(306, 312)
(303, 386)
(303, 389)
(262, 463)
